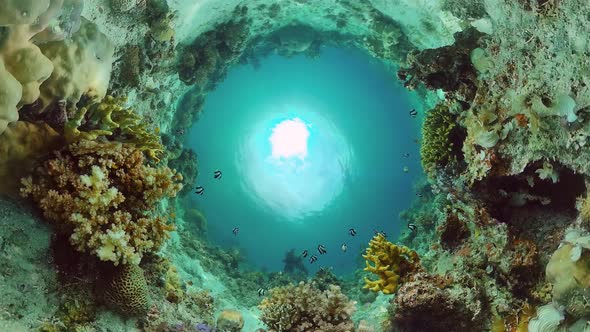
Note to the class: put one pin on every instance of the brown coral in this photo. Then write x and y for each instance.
(422, 306)
(306, 309)
(102, 195)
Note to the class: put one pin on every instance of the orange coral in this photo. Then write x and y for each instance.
(103, 196)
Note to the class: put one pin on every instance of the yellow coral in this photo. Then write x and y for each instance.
(110, 115)
(392, 264)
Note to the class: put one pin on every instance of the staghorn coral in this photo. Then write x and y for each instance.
(102, 195)
(305, 308)
(126, 291)
(110, 118)
(393, 264)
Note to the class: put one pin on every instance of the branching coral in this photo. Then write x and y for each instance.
(103, 195)
(111, 119)
(392, 264)
(306, 309)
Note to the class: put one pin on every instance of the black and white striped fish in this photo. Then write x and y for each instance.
(261, 291)
(322, 249)
(313, 259)
(217, 174)
(236, 230)
(305, 253)
(413, 113)
(199, 190)
(352, 232)
(412, 227)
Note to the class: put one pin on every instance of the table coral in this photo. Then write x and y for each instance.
(102, 195)
(306, 309)
(392, 264)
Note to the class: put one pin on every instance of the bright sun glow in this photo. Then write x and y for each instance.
(295, 166)
(289, 139)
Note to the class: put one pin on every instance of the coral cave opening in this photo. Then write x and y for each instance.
(337, 95)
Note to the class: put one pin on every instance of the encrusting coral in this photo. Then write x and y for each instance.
(21, 144)
(307, 309)
(103, 196)
(392, 264)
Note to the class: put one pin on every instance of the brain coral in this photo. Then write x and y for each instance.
(126, 291)
(307, 309)
(103, 196)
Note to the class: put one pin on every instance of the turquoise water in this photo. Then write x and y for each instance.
(359, 127)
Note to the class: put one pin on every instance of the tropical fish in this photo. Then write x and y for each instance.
(406, 155)
(352, 232)
(406, 169)
(261, 291)
(236, 230)
(313, 258)
(322, 249)
(412, 227)
(200, 190)
(304, 254)
(344, 247)
(217, 174)
(413, 113)
(419, 195)
(382, 233)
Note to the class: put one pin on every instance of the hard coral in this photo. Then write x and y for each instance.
(126, 291)
(111, 119)
(392, 264)
(82, 66)
(440, 135)
(22, 143)
(422, 306)
(102, 195)
(307, 309)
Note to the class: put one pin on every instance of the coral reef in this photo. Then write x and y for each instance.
(441, 140)
(102, 195)
(82, 66)
(393, 264)
(109, 118)
(126, 291)
(230, 321)
(305, 308)
(21, 145)
(187, 165)
(420, 305)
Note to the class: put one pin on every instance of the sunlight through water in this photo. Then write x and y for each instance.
(294, 163)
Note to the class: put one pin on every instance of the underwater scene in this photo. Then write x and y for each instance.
(294, 165)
